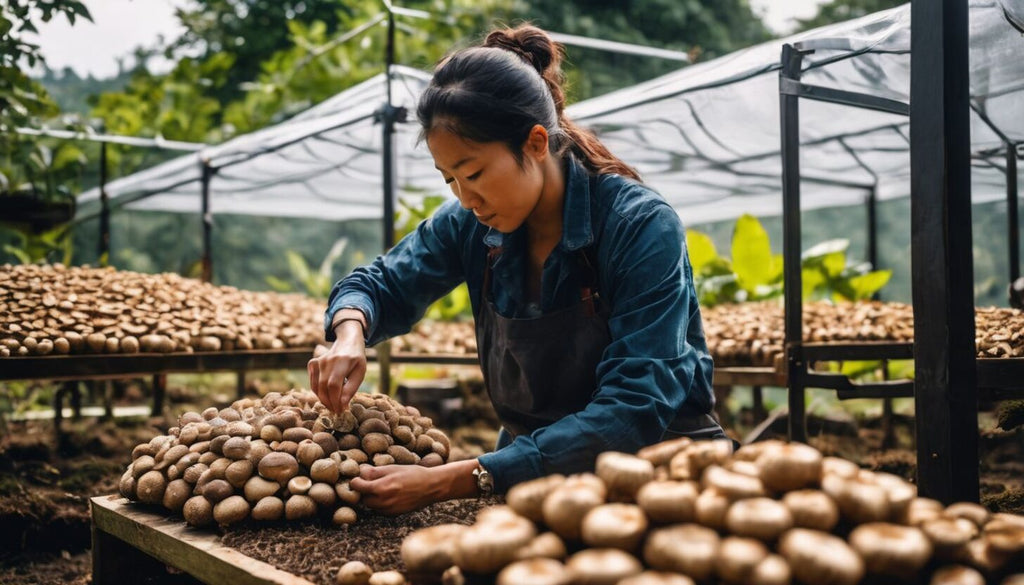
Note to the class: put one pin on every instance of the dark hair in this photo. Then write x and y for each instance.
(499, 91)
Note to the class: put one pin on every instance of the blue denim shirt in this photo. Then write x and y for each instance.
(657, 364)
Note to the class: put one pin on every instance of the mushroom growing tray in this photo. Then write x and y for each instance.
(128, 537)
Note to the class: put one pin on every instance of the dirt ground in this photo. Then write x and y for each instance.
(45, 487)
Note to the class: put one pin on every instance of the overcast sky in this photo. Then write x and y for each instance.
(121, 25)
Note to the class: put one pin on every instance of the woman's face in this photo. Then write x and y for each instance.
(486, 178)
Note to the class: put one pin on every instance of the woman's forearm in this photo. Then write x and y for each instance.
(456, 480)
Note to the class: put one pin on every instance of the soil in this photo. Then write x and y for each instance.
(45, 487)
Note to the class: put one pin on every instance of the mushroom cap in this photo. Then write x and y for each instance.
(820, 558)
(623, 474)
(387, 578)
(974, 512)
(353, 573)
(527, 498)
(547, 545)
(754, 450)
(921, 509)
(773, 570)
(490, 544)
(427, 552)
(538, 571)
(669, 501)
(837, 466)
(790, 467)
(899, 491)
(1017, 579)
(1004, 536)
(661, 453)
(812, 509)
(566, 505)
(949, 533)
(602, 566)
(735, 486)
(683, 548)
(957, 575)
(657, 578)
(858, 502)
(891, 549)
(762, 518)
(711, 507)
(620, 526)
(738, 557)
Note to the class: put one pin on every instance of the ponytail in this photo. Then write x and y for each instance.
(487, 96)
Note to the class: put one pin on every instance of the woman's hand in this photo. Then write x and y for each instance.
(335, 376)
(394, 489)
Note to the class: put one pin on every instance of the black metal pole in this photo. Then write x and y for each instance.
(207, 260)
(104, 243)
(388, 128)
(945, 396)
(872, 244)
(790, 130)
(1012, 213)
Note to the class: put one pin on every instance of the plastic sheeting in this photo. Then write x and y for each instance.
(706, 136)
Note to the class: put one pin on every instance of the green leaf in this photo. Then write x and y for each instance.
(834, 264)
(854, 368)
(18, 253)
(280, 285)
(819, 251)
(298, 266)
(700, 248)
(811, 279)
(870, 283)
(751, 253)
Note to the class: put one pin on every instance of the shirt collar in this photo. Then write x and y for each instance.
(577, 231)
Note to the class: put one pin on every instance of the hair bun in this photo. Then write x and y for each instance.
(532, 44)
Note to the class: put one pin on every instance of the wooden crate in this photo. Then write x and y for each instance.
(131, 544)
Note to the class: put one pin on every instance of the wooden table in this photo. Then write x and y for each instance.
(131, 543)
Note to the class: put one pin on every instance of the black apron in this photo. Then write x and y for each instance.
(538, 370)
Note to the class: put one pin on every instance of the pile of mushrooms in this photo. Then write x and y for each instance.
(752, 333)
(279, 457)
(54, 310)
(683, 512)
(438, 337)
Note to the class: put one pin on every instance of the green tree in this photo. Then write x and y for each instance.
(840, 10)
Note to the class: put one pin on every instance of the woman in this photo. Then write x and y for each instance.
(587, 323)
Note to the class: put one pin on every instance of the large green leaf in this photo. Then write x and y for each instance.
(700, 248)
(298, 266)
(751, 254)
(866, 285)
(819, 251)
(811, 279)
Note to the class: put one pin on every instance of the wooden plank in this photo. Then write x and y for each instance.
(855, 350)
(749, 376)
(199, 553)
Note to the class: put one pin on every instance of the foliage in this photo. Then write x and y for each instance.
(840, 10)
(754, 273)
(315, 283)
(50, 246)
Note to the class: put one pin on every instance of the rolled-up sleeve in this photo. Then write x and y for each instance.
(396, 288)
(650, 366)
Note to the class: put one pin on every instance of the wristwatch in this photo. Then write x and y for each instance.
(484, 481)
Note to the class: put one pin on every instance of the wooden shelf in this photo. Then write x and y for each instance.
(131, 543)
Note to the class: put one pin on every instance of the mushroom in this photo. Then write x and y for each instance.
(738, 557)
(623, 474)
(344, 515)
(538, 571)
(492, 542)
(427, 552)
(974, 512)
(762, 518)
(957, 575)
(790, 467)
(921, 509)
(547, 545)
(812, 509)
(567, 504)
(299, 507)
(949, 535)
(820, 558)
(353, 573)
(269, 508)
(657, 578)
(711, 507)
(527, 498)
(279, 467)
(735, 486)
(231, 510)
(858, 502)
(615, 525)
(841, 467)
(668, 501)
(602, 566)
(661, 453)
(891, 550)
(198, 511)
(773, 570)
(387, 578)
(684, 548)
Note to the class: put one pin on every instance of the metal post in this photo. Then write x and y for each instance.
(1012, 213)
(104, 243)
(790, 131)
(945, 398)
(389, 115)
(207, 259)
(872, 209)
